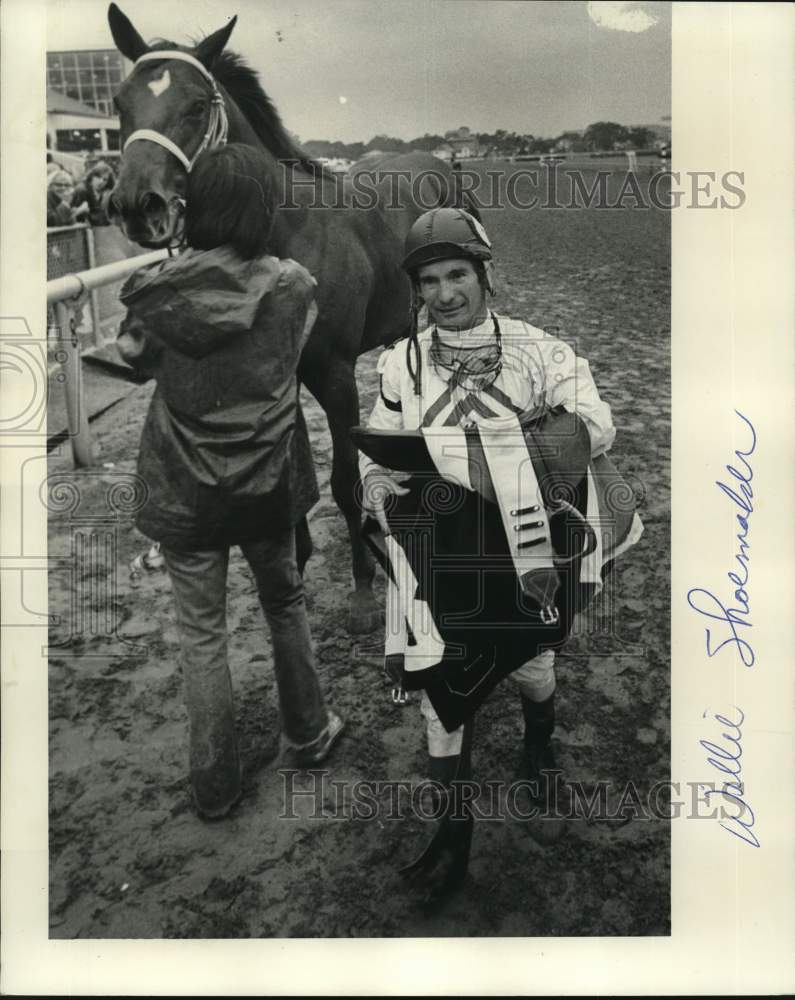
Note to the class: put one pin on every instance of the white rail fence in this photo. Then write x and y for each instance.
(65, 295)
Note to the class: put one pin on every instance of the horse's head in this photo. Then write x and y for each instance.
(172, 100)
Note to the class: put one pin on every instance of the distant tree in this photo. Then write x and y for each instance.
(427, 143)
(334, 150)
(641, 137)
(570, 141)
(318, 147)
(504, 143)
(605, 135)
(541, 145)
(386, 143)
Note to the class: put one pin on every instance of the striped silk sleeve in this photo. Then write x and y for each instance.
(571, 385)
(387, 413)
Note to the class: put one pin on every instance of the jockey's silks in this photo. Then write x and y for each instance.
(465, 568)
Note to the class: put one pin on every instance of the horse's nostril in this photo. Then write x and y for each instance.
(152, 203)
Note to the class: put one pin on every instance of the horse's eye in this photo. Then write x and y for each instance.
(196, 109)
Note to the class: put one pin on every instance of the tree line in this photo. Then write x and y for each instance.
(598, 137)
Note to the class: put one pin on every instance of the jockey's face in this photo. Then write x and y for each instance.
(453, 293)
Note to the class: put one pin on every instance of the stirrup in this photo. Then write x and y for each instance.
(399, 695)
(550, 615)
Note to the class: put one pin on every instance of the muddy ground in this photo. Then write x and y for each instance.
(130, 859)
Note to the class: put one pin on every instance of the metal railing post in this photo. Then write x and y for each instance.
(59, 293)
(96, 328)
(76, 412)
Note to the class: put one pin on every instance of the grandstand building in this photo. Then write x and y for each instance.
(80, 89)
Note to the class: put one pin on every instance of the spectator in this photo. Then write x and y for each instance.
(61, 207)
(52, 165)
(94, 190)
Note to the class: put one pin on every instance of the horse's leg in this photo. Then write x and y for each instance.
(335, 389)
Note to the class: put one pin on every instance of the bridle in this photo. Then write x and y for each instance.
(217, 125)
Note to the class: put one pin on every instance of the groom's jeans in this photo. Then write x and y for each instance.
(198, 581)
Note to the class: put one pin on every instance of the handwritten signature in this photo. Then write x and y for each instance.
(727, 761)
(706, 603)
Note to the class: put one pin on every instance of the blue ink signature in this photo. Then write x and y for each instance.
(708, 604)
(727, 761)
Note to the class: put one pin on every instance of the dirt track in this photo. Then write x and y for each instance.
(128, 856)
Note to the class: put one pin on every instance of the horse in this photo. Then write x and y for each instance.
(348, 233)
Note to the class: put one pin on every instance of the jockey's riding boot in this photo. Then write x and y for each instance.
(441, 772)
(443, 769)
(548, 794)
(442, 866)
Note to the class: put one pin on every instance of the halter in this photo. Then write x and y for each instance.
(217, 126)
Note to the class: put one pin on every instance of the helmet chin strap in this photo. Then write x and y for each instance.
(217, 124)
(490, 276)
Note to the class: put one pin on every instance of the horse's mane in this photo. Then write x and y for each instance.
(242, 84)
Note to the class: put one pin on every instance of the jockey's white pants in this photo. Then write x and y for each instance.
(535, 680)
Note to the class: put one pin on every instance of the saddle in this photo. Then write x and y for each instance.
(488, 545)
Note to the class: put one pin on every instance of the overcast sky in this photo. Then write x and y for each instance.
(349, 69)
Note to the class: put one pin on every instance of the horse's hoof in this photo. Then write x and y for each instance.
(365, 615)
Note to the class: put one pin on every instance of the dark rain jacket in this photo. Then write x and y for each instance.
(224, 451)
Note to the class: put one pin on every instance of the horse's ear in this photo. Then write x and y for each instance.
(127, 39)
(213, 45)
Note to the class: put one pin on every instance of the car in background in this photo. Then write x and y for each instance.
(336, 164)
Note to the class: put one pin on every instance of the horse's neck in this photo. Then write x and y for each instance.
(288, 183)
(239, 128)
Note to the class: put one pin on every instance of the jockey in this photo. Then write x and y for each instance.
(470, 363)
(225, 454)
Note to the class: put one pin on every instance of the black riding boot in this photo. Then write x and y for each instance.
(442, 866)
(443, 769)
(549, 796)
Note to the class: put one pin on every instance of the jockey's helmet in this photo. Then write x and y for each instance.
(445, 234)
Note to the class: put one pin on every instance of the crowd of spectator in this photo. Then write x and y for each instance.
(70, 201)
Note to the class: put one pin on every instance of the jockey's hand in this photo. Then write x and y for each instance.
(377, 485)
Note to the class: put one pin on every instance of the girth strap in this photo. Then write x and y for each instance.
(521, 505)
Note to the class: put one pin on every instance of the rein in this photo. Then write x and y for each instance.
(217, 125)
